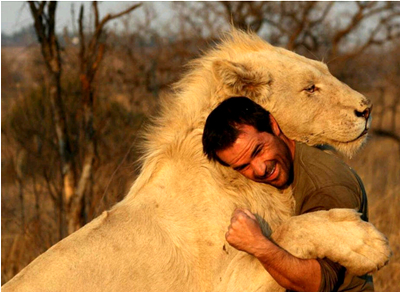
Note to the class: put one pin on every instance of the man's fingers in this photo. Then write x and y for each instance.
(248, 213)
(227, 234)
(233, 218)
(242, 212)
(237, 211)
(236, 215)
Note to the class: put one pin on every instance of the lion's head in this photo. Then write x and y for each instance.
(310, 104)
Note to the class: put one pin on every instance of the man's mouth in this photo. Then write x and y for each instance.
(269, 171)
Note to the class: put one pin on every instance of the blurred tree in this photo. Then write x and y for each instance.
(43, 14)
(90, 56)
(75, 180)
(316, 27)
(246, 14)
(387, 96)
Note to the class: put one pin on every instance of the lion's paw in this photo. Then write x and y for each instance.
(337, 234)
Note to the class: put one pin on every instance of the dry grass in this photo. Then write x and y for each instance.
(379, 167)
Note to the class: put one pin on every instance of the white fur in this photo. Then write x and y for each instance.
(168, 233)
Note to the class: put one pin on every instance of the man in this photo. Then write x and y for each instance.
(242, 135)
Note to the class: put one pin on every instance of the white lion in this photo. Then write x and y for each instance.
(168, 233)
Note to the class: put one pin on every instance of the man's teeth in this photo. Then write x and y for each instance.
(271, 170)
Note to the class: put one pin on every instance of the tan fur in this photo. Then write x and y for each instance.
(168, 233)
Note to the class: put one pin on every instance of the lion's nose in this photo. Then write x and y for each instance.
(364, 114)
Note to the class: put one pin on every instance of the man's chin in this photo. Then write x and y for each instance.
(276, 184)
(283, 186)
(280, 183)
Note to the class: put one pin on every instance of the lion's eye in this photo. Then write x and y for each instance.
(311, 89)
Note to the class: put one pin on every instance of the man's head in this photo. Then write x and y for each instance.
(241, 134)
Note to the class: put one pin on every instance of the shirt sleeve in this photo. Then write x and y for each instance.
(331, 197)
(332, 274)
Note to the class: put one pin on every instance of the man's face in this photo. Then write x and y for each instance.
(260, 156)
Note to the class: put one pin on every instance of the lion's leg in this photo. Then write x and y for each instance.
(338, 234)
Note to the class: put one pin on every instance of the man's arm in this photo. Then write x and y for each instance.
(290, 272)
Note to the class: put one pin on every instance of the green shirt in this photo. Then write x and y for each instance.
(321, 182)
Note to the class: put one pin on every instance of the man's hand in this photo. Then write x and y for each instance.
(245, 233)
(292, 273)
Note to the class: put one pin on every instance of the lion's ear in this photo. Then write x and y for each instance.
(240, 79)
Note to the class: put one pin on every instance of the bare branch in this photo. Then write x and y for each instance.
(302, 23)
(37, 16)
(98, 60)
(324, 14)
(109, 17)
(82, 40)
(362, 14)
(96, 13)
(245, 15)
(47, 180)
(353, 23)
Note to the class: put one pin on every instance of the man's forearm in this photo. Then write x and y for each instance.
(290, 272)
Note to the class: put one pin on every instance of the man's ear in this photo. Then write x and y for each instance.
(274, 126)
(241, 79)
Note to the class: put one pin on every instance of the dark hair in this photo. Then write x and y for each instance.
(221, 128)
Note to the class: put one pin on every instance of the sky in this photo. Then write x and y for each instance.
(16, 14)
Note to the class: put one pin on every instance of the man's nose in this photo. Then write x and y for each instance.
(258, 168)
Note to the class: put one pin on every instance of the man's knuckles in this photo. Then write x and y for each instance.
(235, 227)
(249, 214)
(240, 217)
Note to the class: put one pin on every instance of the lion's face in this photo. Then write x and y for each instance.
(310, 104)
